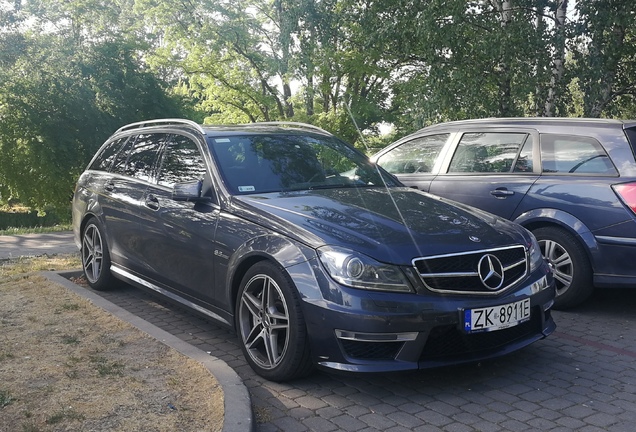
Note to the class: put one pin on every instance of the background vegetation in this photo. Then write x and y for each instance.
(72, 71)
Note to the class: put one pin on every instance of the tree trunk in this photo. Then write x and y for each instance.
(558, 63)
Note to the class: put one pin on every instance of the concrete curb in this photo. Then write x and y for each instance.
(237, 402)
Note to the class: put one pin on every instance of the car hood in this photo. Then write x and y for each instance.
(392, 225)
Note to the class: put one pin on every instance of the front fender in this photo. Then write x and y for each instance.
(298, 260)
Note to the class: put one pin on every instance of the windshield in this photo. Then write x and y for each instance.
(288, 162)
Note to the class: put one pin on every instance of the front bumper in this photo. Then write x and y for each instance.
(382, 332)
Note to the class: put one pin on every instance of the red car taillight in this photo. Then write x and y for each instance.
(627, 193)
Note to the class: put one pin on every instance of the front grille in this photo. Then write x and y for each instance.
(460, 273)
(447, 342)
(371, 350)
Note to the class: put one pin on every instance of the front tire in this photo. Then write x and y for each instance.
(571, 267)
(95, 256)
(270, 324)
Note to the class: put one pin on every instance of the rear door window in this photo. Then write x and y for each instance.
(492, 152)
(574, 155)
(139, 159)
(105, 158)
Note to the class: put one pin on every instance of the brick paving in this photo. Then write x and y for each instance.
(581, 378)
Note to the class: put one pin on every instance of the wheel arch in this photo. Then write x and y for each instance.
(291, 257)
(540, 218)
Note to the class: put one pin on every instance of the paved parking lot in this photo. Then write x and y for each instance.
(581, 378)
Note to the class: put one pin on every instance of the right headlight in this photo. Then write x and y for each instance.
(360, 271)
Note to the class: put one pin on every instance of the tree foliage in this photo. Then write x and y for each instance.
(71, 72)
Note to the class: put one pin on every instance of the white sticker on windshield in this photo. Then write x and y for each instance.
(223, 140)
(246, 189)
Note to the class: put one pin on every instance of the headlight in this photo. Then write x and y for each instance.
(534, 251)
(360, 271)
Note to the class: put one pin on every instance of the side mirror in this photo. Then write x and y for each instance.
(189, 191)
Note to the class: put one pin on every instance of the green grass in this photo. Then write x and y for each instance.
(5, 398)
(36, 230)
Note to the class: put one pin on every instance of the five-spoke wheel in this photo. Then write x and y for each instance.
(95, 256)
(270, 324)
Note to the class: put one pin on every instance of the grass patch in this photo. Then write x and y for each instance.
(106, 367)
(30, 264)
(63, 415)
(70, 340)
(35, 230)
(77, 364)
(5, 398)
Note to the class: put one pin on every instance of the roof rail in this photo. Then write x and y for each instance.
(287, 123)
(159, 122)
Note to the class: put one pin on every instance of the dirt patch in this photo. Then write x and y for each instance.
(68, 365)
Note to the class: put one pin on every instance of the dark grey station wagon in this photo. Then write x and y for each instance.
(571, 181)
(314, 255)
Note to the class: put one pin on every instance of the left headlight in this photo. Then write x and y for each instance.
(534, 252)
(360, 271)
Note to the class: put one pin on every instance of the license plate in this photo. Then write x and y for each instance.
(496, 317)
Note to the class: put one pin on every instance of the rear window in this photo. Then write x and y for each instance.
(578, 155)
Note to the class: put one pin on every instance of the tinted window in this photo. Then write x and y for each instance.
(182, 162)
(524, 161)
(416, 156)
(567, 154)
(105, 158)
(487, 152)
(631, 137)
(138, 160)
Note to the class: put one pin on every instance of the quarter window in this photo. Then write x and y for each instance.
(565, 154)
(182, 162)
(416, 156)
(492, 152)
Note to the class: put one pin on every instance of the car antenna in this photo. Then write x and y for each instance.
(356, 126)
(382, 177)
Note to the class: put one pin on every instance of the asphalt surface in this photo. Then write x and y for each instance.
(581, 378)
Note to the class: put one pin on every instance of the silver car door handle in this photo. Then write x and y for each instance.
(152, 202)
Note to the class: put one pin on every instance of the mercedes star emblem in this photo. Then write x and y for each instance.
(491, 272)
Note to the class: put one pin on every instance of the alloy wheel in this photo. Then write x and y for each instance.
(561, 262)
(264, 321)
(92, 253)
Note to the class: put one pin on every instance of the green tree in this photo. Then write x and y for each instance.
(265, 60)
(61, 95)
(605, 57)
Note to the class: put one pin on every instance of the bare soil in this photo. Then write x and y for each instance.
(67, 365)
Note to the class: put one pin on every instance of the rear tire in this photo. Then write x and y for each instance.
(572, 268)
(270, 324)
(95, 256)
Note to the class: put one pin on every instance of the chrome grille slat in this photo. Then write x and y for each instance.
(459, 273)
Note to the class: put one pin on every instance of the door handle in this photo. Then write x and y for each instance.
(152, 202)
(501, 193)
(109, 186)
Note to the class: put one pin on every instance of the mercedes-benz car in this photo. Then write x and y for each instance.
(315, 256)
